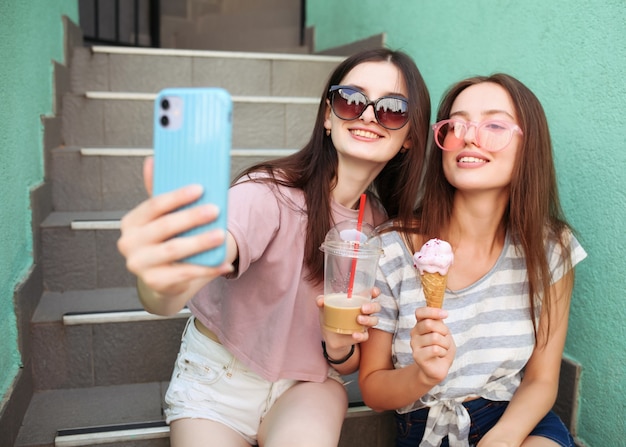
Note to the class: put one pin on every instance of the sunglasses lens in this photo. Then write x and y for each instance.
(348, 104)
(392, 113)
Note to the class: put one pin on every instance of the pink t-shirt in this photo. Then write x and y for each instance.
(267, 316)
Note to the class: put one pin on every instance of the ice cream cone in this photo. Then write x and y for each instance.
(434, 285)
(433, 261)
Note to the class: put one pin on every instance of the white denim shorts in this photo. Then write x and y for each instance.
(209, 383)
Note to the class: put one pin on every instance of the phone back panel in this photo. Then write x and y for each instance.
(192, 143)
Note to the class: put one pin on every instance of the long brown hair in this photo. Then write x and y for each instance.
(534, 211)
(313, 169)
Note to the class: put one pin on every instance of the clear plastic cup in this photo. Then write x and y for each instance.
(350, 264)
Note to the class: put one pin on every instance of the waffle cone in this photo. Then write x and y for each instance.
(434, 286)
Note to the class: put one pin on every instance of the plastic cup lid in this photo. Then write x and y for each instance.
(344, 239)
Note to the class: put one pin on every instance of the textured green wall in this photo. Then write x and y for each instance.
(31, 36)
(572, 54)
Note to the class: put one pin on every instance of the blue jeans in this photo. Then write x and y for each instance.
(484, 415)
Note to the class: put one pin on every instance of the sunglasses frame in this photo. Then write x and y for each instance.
(334, 90)
(511, 127)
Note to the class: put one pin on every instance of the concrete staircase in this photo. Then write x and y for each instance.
(100, 363)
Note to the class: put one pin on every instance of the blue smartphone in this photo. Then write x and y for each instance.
(192, 143)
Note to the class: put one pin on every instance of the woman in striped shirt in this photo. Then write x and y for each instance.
(484, 370)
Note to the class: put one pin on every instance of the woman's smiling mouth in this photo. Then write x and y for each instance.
(364, 133)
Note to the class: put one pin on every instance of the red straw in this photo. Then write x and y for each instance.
(359, 224)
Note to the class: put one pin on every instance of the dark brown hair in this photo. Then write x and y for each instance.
(534, 211)
(313, 169)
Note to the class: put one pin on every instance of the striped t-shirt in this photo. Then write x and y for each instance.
(490, 323)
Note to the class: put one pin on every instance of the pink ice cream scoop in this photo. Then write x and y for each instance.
(435, 256)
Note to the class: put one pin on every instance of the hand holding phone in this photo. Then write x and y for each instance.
(192, 143)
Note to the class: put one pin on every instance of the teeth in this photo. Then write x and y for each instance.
(364, 133)
(471, 160)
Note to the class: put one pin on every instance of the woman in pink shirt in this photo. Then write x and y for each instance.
(251, 369)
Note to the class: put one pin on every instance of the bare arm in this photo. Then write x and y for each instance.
(386, 388)
(151, 249)
(537, 392)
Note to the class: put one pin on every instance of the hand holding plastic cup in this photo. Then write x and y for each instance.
(351, 252)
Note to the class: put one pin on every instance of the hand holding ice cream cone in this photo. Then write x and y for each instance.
(433, 261)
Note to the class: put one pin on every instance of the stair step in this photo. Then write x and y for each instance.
(121, 414)
(357, 419)
(95, 183)
(118, 316)
(85, 257)
(241, 73)
(145, 152)
(236, 99)
(86, 338)
(126, 120)
(88, 436)
(54, 410)
(97, 179)
(54, 306)
(254, 27)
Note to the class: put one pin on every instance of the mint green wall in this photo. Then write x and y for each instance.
(31, 36)
(572, 54)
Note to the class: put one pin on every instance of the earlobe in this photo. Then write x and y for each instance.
(408, 144)
(327, 124)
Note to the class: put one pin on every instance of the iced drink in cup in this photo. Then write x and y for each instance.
(350, 263)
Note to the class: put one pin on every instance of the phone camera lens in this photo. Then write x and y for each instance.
(165, 104)
(165, 121)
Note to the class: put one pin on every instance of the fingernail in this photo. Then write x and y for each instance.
(194, 190)
(210, 210)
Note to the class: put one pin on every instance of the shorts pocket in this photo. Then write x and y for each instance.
(195, 384)
(410, 427)
(198, 368)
